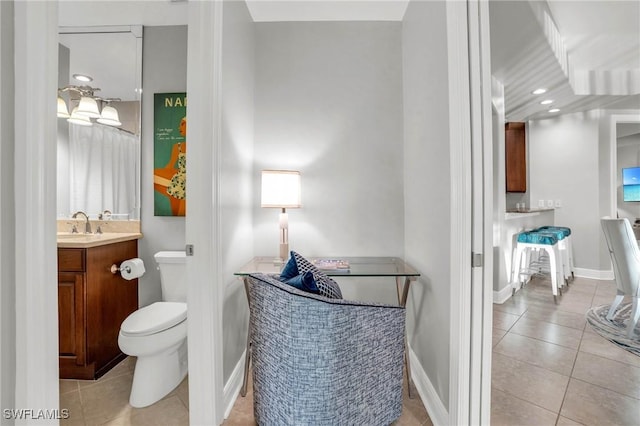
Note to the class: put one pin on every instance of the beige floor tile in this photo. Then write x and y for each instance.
(71, 402)
(106, 399)
(555, 316)
(606, 288)
(182, 391)
(595, 344)
(67, 385)
(537, 385)
(514, 306)
(576, 305)
(542, 354)
(592, 405)
(497, 335)
(602, 300)
(508, 410)
(582, 285)
(503, 320)
(167, 412)
(609, 374)
(549, 332)
(563, 421)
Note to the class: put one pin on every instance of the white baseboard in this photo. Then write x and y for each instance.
(594, 274)
(503, 295)
(432, 402)
(232, 387)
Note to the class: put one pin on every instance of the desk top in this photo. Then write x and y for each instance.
(358, 267)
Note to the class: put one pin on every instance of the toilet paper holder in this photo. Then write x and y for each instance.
(115, 269)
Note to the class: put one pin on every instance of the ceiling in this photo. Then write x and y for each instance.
(586, 53)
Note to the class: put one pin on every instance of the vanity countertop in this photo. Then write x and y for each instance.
(69, 240)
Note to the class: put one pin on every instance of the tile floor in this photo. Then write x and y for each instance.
(106, 402)
(413, 411)
(550, 368)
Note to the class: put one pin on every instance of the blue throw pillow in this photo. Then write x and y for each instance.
(304, 282)
(298, 265)
(290, 270)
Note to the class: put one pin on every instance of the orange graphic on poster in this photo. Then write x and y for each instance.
(171, 180)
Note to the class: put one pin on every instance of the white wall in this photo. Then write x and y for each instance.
(329, 104)
(7, 213)
(628, 156)
(564, 163)
(501, 253)
(164, 70)
(236, 161)
(427, 187)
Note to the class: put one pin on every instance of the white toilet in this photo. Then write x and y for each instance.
(157, 335)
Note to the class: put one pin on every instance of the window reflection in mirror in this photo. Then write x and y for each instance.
(99, 164)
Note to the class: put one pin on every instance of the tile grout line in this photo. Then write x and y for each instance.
(566, 390)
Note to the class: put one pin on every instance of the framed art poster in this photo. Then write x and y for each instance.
(170, 154)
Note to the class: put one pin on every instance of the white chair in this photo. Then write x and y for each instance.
(625, 256)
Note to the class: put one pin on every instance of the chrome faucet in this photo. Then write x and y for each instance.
(87, 226)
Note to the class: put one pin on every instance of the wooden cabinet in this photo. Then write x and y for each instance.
(516, 157)
(92, 303)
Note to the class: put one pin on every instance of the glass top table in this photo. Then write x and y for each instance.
(358, 267)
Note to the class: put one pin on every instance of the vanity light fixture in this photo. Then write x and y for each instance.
(63, 112)
(539, 91)
(546, 102)
(87, 107)
(83, 78)
(554, 110)
(81, 120)
(109, 116)
(281, 189)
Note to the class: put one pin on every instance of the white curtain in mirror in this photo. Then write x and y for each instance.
(103, 173)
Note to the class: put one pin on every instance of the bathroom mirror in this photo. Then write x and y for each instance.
(99, 164)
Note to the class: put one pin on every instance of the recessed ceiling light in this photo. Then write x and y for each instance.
(83, 78)
(546, 102)
(539, 91)
(554, 110)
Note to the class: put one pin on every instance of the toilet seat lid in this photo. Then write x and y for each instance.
(154, 318)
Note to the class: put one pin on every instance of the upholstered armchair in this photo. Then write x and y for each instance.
(323, 361)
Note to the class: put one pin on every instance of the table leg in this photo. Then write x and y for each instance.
(403, 293)
(247, 357)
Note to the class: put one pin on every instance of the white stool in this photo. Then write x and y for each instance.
(566, 248)
(522, 265)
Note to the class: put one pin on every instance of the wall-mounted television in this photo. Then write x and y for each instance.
(631, 184)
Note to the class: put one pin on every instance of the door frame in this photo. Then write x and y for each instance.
(36, 345)
(472, 211)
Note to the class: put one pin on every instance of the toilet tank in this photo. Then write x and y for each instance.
(172, 266)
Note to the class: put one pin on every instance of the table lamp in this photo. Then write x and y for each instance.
(281, 189)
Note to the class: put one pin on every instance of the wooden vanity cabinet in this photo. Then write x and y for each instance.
(515, 157)
(92, 303)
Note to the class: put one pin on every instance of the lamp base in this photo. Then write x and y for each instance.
(284, 252)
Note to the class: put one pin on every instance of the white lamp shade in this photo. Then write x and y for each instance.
(81, 120)
(63, 112)
(281, 188)
(109, 116)
(88, 107)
